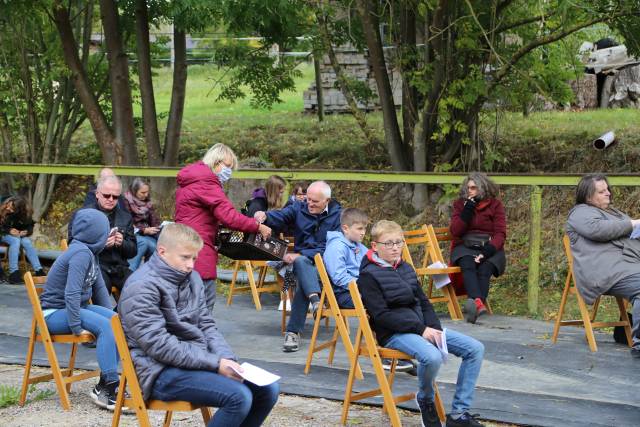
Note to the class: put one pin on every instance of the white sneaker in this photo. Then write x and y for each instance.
(291, 342)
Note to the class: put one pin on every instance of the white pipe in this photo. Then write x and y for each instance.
(604, 141)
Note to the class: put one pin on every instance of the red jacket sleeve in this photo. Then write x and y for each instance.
(223, 210)
(499, 225)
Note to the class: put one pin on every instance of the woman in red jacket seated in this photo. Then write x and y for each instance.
(202, 205)
(479, 229)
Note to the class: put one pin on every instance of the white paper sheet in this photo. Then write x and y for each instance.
(635, 233)
(440, 280)
(442, 345)
(257, 375)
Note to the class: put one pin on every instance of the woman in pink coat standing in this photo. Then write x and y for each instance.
(202, 204)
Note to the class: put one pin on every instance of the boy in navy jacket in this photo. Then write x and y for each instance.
(403, 319)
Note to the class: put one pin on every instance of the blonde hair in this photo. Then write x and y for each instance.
(217, 154)
(179, 234)
(384, 227)
(274, 185)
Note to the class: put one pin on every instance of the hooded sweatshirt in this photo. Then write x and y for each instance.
(394, 298)
(75, 276)
(167, 323)
(342, 258)
(202, 205)
(258, 202)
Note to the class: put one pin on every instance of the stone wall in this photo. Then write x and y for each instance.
(356, 65)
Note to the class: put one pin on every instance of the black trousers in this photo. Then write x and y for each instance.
(476, 276)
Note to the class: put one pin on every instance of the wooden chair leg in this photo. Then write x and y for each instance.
(586, 318)
(115, 422)
(625, 317)
(350, 378)
(594, 310)
(314, 334)
(57, 375)
(232, 286)
(27, 364)
(442, 414)
(72, 363)
(252, 285)
(167, 419)
(206, 415)
(563, 302)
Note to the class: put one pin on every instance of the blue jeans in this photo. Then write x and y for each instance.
(308, 283)
(146, 247)
(97, 320)
(343, 298)
(429, 360)
(14, 252)
(240, 404)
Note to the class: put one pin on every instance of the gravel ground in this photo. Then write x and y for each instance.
(290, 410)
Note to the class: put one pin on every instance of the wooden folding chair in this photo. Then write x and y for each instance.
(587, 319)
(136, 402)
(375, 353)
(433, 254)
(443, 235)
(417, 238)
(256, 287)
(340, 317)
(39, 332)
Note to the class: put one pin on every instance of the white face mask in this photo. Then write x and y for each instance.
(225, 174)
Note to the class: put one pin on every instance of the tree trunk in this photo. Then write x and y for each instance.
(178, 94)
(110, 150)
(149, 116)
(409, 93)
(392, 135)
(121, 102)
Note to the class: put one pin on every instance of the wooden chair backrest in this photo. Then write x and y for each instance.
(326, 282)
(419, 239)
(363, 319)
(35, 287)
(566, 242)
(64, 244)
(128, 370)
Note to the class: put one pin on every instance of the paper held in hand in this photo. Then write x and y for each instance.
(440, 280)
(635, 233)
(442, 345)
(256, 375)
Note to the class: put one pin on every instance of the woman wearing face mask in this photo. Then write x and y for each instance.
(202, 205)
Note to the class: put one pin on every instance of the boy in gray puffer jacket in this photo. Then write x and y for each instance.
(178, 352)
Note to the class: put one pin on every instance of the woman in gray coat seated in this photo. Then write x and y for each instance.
(606, 260)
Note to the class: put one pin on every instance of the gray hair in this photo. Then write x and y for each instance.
(217, 154)
(587, 187)
(322, 186)
(111, 179)
(487, 189)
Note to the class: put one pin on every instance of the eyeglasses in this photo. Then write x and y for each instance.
(472, 187)
(110, 196)
(390, 244)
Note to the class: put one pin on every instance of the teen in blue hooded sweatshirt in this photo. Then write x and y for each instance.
(74, 280)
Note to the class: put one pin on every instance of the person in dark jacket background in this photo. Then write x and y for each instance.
(121, 243)
(310, 220)
(403, 319)
(267, 198)
(479, 229)
(202, 205)
(74, 280)
(16, 227)
(178, 352)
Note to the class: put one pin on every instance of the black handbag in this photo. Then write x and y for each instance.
(475, 240)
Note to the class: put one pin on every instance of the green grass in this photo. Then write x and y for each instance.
(10, 395)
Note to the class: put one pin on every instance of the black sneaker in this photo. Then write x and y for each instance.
(314, 308)
(470, 311)
(401, 366)
(40, 273)
(291, 342)
(466, 420)
(428, 413)
(104, 394)
(14, 278)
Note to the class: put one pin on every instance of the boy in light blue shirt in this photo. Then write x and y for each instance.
(344, 252)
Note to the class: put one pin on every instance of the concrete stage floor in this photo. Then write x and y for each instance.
(524, 379)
